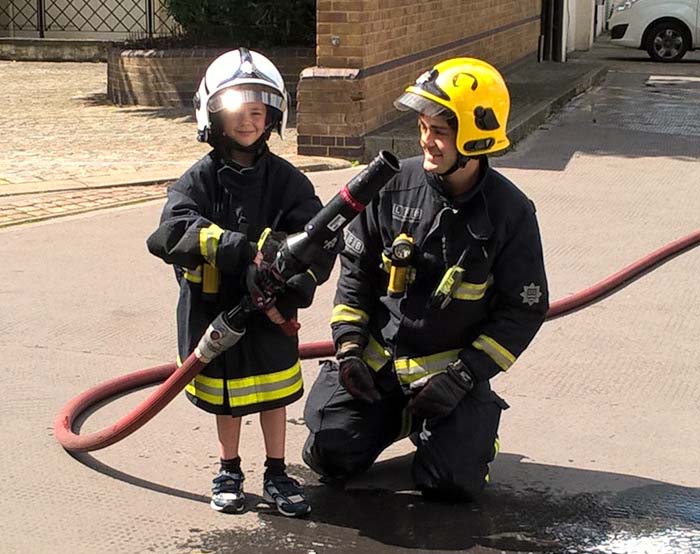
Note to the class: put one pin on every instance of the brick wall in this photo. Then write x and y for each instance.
(368, 51)
(171, 77)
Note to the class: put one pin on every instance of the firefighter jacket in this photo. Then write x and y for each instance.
(209, 227)
(489, 234)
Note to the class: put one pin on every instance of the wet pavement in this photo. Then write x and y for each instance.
(641, 517)
(601, 447)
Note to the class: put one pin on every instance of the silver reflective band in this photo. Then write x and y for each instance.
(232, 98)
(218, 338)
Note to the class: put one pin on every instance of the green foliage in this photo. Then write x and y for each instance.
(261, 23)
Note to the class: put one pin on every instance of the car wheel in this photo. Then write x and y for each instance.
(667, 42)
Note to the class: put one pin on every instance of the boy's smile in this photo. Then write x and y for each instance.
(246, 124)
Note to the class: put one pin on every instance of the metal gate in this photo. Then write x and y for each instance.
(136, 18)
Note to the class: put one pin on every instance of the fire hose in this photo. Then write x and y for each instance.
(292, 256)
(296, 253)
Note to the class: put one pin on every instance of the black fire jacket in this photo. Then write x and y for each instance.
(209, 227)
(493, 314)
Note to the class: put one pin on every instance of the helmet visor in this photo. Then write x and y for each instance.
(232, 98)
(412, 101)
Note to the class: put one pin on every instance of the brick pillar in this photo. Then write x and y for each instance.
(330, 121)
(368, 51)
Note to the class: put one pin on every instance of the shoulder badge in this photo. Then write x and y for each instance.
(531, 294)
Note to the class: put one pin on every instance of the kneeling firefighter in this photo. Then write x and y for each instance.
(442, 287)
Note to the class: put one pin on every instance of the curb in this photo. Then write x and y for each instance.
(33, 187)
(518, 128)
(43, 187)
(533, 118)
(66, 186)
(78, 211)
(522, 126)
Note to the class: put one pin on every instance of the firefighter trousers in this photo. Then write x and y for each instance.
(347, 435)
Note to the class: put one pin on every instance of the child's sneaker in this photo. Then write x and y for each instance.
(287, 494)
(227, 492)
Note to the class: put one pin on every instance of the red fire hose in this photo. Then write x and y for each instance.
(177, 377)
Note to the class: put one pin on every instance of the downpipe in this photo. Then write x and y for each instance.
(216, 339)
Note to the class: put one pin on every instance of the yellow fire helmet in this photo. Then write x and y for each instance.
(471, 90)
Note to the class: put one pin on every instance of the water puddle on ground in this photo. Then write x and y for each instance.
(651, 519)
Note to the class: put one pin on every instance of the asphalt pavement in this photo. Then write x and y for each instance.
(600, 448)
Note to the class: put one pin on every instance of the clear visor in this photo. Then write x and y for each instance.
(231, 99)
(412, 101)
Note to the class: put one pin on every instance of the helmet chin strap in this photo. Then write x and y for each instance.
(460, 162)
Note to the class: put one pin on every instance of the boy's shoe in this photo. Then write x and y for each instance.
(287, 494)
(227, 492)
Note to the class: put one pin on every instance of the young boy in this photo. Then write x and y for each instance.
(213, 218)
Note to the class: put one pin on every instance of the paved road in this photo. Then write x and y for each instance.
(600, 446)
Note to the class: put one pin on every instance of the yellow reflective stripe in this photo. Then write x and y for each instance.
(209, 242)
(265, 388)
(263, 237)
(342, 313)
(193, 275)
(207, 388)
(496, 450)
(375, 355)
(210, 279)
(313, 275)
(248, 390)
(472, 291)
(503, 358)
(412, 369)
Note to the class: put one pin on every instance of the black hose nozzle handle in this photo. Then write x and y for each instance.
(325, 227)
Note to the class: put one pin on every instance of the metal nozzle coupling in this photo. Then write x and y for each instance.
(218, 338)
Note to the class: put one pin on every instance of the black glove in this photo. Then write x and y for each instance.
(262, 286)
(353, 373)
(440, 393)
(261, 281)
(298, 293)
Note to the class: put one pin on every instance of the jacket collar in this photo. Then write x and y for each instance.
(472, 202)
(224, 164)
(438, 184)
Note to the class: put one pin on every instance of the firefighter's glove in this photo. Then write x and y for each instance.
(439, 394)
(262, 282)
(298, 293)
(262, 286)
(269, 244)
(354, 374)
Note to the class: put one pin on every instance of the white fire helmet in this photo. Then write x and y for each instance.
(237, 77)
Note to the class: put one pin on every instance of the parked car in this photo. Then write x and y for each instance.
(666, 29)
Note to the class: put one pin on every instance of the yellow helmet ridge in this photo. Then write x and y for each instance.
(471, 90)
